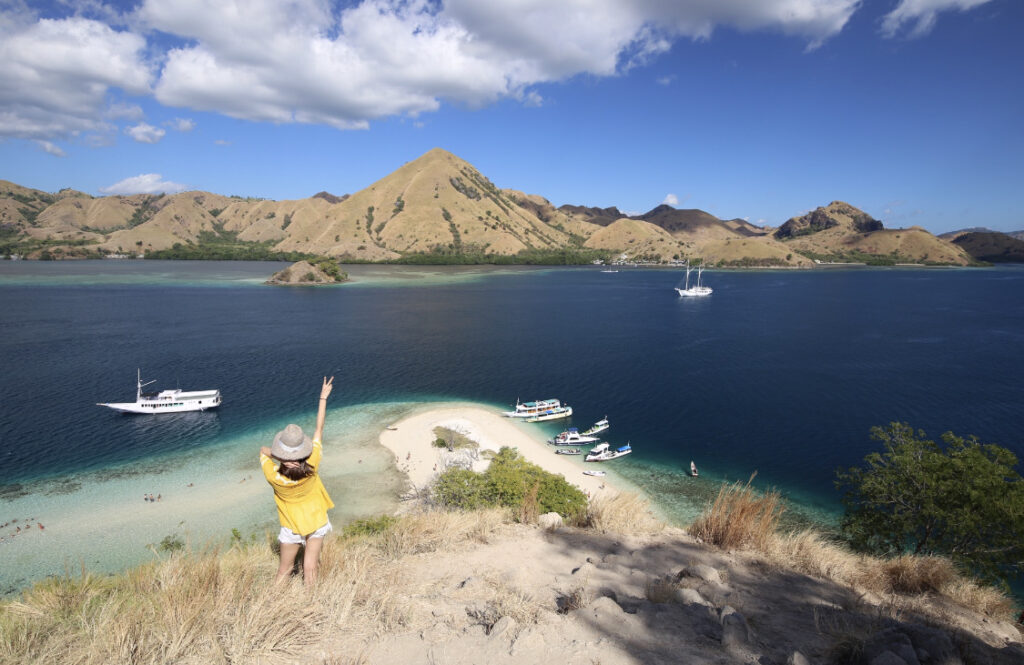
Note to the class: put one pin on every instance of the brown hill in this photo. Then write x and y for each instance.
(835, 214)
(840, 231)
(301, 273)
(599, 216)
(991, 246)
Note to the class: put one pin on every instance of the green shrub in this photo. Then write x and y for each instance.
(369, 527)
(511, 481)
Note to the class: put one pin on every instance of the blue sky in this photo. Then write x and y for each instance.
(912, 110)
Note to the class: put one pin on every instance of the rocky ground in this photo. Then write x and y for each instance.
(563, 595)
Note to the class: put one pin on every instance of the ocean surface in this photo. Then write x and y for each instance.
(782, 373)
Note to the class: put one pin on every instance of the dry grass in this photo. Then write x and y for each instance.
(220, 607)
(739, 517)
(623, 513)
(661, 589)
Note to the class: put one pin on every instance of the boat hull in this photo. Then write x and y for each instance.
(147, 409)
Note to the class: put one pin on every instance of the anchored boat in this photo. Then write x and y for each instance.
(572, 437)
(551, 414)
(698, 290)
(598, 427)
(530, 409)
(603, 452)
(166, 401)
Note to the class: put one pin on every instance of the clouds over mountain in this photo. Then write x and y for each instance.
(309, 61)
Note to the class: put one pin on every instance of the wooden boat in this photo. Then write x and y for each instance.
(598, 427)
(551, 414)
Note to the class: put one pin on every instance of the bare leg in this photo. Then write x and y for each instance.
(284, 569)
(311, 560)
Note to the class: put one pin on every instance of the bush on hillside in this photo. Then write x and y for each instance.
(513, 482)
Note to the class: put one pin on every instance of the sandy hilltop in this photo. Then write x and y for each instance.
(436, 586)
(442, 207)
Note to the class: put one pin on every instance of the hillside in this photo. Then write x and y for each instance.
(437, 208)
(991, 246)
(842, 232)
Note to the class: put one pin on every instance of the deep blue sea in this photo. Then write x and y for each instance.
(779, 372)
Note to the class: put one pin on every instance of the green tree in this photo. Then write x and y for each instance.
(961, 499)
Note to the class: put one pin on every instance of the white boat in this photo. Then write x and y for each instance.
(693, 469)
(528, 409)
(568, 451)
(595, 473)
(692, 291)
(551, 414)
(609, 271)
(603, 453)
(598, 427)
(572, 437)
(166, 401)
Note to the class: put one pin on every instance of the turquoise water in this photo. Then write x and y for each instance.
(779, 372)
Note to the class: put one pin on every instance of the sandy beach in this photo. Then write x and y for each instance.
(412, 439)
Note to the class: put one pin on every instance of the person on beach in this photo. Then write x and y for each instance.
(290, 466)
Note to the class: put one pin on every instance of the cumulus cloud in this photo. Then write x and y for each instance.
(671, 199)
(921, 15)
(51, 149)
(347, 64)
(145, 183)
(55, 74)
(306, 62)
(145, 133)
(181, 124)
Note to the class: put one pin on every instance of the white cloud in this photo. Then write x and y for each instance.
(52, 149)
(671, 199)
(55, 74)
(145, 133)
(666, 80)
(922, 14)
(221, 142)
(181, 124)
(304, 61)
(146, 183)
(345, 64)
(120, 110)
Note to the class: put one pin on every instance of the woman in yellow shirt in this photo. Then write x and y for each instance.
(290, 466)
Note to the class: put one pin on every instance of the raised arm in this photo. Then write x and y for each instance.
(321, 412)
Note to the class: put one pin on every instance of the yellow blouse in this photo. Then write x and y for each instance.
(302, 505)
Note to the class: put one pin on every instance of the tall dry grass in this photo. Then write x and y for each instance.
(623, 513)
(739, 517)
(223, 607)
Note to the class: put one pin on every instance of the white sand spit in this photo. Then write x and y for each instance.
(412, 440)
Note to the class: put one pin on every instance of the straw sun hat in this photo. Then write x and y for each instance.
(291, 444)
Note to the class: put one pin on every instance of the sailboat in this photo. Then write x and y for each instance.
(698, 290)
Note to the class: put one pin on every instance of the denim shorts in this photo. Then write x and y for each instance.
(290, 537)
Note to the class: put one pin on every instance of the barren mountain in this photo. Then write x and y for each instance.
(991, 246)
(840, 231)
(436, 204)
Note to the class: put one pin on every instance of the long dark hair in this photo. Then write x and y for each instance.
(303, 470)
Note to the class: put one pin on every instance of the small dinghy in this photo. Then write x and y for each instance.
(595, 473)
(568, 451)
(693, 469)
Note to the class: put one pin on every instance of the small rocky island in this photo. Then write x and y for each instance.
(304, 273)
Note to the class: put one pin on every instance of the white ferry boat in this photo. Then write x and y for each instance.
(528, 409)
(551, 414)
(572, 437)
(603, 453)
(166, 401)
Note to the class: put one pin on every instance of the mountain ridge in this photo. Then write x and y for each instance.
(439, 206)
